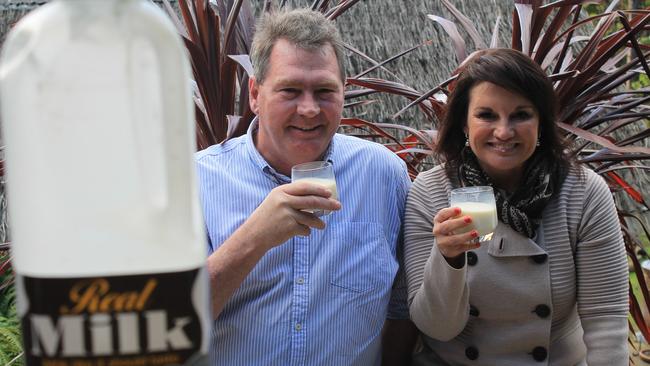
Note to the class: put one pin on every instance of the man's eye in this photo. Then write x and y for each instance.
(289, 91)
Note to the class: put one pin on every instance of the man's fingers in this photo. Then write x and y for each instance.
(302, 188)
(309, 220)
(303, 230)
(314, 203)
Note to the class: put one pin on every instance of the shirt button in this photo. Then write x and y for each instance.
(473, 310)
(471, 353)
(542, 311)
(300, 280)
(539, 354)
(298, 326)
(472, 258)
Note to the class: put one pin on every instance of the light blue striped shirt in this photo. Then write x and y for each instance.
(316, 300)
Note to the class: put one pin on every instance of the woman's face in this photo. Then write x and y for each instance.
(502, 128)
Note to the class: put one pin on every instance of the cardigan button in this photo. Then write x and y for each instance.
(542, 311)
(473, 310)
(471, 353)
(472, 258)
(539, 354)
(539, 259)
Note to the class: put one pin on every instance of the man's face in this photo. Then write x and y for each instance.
(299, 105)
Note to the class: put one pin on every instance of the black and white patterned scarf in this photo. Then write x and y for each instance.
(522, 211)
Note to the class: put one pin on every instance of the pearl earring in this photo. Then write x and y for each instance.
(467, 140)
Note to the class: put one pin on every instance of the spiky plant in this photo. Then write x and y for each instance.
(10, 338)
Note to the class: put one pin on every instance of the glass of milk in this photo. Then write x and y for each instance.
(316, 172)
(477, 202)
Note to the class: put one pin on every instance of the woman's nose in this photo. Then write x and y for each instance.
(503, 130)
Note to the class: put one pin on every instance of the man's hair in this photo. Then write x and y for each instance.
(307, 29)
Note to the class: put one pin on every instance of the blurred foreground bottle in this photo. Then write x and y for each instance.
(108, 242)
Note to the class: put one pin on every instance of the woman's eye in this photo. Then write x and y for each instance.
(486, 116)
(521, 116)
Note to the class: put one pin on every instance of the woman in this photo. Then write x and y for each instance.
(551, 285)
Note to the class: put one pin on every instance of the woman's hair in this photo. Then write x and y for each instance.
(515, 72)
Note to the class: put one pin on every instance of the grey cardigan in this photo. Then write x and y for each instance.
(561, 299)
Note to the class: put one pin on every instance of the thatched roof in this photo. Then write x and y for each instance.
(383, 28)
(380, 28)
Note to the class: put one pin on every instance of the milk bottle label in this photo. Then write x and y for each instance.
(113, 320)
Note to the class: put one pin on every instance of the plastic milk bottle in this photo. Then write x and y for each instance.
(107, 235)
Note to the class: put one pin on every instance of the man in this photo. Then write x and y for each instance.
(290, 288)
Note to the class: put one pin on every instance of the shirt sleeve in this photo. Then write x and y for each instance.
(438, 293)
(602, 277)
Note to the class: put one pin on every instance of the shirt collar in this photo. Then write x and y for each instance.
(264, 166)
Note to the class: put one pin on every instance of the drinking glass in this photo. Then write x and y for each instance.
(316, 172)
(477, 202)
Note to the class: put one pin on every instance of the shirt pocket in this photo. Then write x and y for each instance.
(361, 275)
(362, 260)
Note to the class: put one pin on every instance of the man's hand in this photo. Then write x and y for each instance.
(277, 219)
(280, 216)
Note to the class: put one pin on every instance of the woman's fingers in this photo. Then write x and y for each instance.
(453, 246)
(451, 226)
(446, 214)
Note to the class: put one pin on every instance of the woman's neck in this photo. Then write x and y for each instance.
(508, 181)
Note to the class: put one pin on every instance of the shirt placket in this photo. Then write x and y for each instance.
(300, 299)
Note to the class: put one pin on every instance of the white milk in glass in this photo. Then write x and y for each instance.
(107, 235)
(484, 217)
(327, 183)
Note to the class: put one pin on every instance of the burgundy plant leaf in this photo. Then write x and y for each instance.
(467, 24)
(370, 59)
(245, 62)
(339, 9)
(174, 17)
(494, 41)
(230, 26)
(360, 103)
(188, 19)
(622, 184)
(524, 16)
(394, 57)
(603, 141)
(449, 27)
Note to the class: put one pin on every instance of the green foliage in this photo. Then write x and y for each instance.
(643, 81)
(10, 338)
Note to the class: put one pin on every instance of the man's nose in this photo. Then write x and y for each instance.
(308, 106)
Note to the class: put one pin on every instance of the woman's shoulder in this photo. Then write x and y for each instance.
(434, 176)
(430, 184)
(585, 181)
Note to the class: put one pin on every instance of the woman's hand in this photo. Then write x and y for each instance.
(452, 245)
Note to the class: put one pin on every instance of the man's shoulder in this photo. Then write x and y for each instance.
(351, 145)
(220, 151)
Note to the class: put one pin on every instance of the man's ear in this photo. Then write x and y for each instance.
(253, 93)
